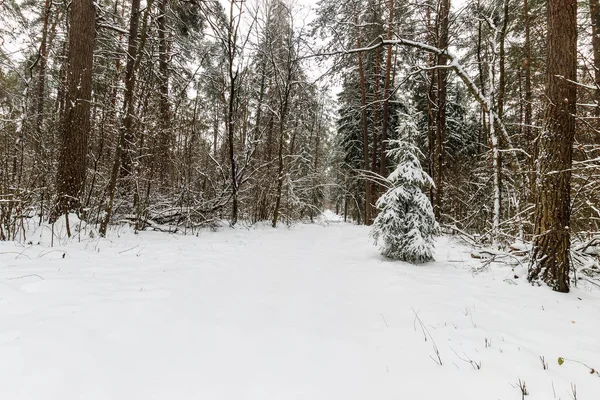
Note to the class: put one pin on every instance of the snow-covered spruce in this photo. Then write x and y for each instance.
(405, 225)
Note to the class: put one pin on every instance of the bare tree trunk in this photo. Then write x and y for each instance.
(529, 134)
(483, 137)
(233, 75)
(164, 158)
(442, 74)
(386, 93)
(128, 150)
(364, 122)
(431, 104)
(41, 84)
(280, 156)
(496, 166)
(375, 189)
(40, 148)
(76, 120)
(128, 107)
(550, 261)
(595, 16)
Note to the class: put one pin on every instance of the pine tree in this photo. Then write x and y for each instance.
(405, 225)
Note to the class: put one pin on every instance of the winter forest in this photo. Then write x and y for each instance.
(307, 199)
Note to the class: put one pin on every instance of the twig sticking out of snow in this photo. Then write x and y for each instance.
(476, 365)
(523, 388)
(25, 276)
(426, 335)
(384, 321)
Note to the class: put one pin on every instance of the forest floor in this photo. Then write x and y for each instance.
(307, 312)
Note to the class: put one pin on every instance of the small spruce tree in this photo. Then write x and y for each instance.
(405, 225)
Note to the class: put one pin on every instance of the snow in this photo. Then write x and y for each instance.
(307, 312)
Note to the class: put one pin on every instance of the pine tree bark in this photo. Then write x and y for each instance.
(442, 74)
(529, 134)
(375, 189)
(232, 36)
(550, 261)
(76, 119)
(386, 93)
(431, 104)
(364, 122)
(595, 16)
(164, 107)
(41, 89)
(41, 84)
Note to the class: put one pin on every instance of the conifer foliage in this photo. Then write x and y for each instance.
(405, 225)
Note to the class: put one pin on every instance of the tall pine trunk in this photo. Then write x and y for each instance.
(387, 93)
(550, 261)
(164, 141)
(75, 127)
(529, 134)
(442, 74)
(364, 122)
(595, 16)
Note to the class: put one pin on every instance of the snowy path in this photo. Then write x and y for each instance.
(310, 312)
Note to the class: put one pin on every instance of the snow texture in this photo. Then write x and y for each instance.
(308, 312)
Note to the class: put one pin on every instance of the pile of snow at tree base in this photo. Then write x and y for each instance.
(307, 312)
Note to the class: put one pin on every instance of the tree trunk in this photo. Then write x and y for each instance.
(364, 122)
(431, 105)
(375, 189)
(128, 107)
(483, 137)
(494, 146)
(280, 156)
(550, 254)
(76, 119)
(233, 75)
(386, 94)
(529, 135)
(164, 108)
(442, 74)
(41, 84)
(595, 16)
(128, 148)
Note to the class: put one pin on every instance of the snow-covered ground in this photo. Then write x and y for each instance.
(308, 312)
